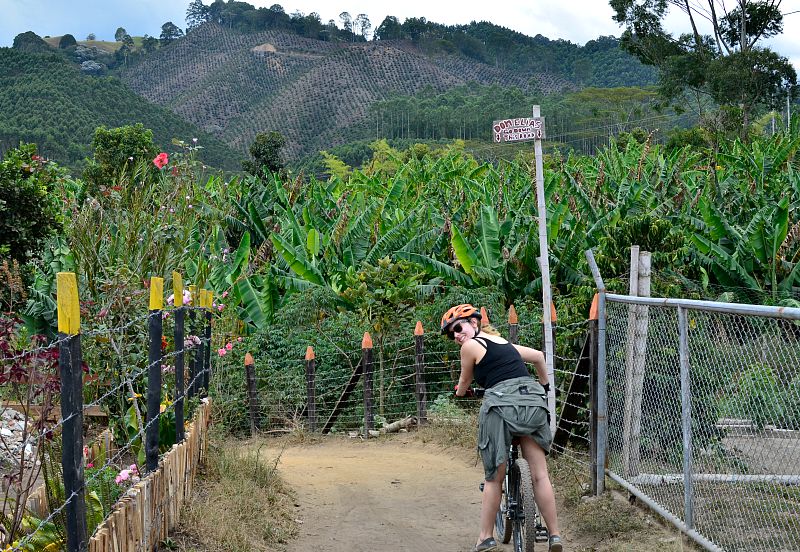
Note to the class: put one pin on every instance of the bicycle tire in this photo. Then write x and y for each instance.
(527, 526)
(502, 523)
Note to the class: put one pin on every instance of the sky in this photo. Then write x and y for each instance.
(575, 20)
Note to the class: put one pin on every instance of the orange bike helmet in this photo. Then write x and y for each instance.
(459, 311)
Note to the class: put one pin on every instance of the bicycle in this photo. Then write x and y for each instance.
(518, 516)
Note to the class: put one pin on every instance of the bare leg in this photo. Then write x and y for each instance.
(490, 503)
(542, 489)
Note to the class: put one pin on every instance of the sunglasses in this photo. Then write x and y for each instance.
(457, 327)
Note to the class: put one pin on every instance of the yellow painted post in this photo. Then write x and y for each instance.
(180, 385)
(155, 359)
(197, 352)
(177, 289)
(156, 293)
(69, 364)
(69, 310)
(206, 377)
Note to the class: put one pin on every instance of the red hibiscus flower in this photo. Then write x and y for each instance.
(161, 160)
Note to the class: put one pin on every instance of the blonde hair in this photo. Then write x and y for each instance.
(489, 329)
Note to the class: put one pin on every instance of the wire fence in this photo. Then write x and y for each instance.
(150, 372)
(703, 406)
(410, 381)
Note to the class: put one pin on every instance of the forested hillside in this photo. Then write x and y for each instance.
(316, 93)
(45, 99)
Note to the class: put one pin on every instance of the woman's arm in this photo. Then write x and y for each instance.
(468, 356)
(536, 358)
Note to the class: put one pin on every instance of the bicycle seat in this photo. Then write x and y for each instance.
(515, 440)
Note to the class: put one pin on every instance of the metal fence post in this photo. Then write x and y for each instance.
(154, 359)
(602, 383)
(205, 378)
(419, 365)
(593, 343)
(196, 351)
(686, 418)
(69, 363)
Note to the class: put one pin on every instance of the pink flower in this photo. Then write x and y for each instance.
(239, 339)
(222, 352)
(224, 294)
(161, 160)
(229, 346)
(89, 465)
(220, 307)
(133, 468)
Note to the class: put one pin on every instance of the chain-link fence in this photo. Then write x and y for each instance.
(703, 410)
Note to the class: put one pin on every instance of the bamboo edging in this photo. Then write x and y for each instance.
(152, 507)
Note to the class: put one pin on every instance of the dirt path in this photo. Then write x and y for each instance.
(381, 495)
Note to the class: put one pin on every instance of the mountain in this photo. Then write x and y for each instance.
(242, 70)
(46, 99)
(236, 84)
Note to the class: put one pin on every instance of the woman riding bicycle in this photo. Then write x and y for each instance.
(514, 404)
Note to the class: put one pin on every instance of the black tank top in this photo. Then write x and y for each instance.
(502, 361)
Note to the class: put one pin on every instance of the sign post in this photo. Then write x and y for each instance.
(522, 130)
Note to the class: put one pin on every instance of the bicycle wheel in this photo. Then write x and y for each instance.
(502, 522)
(525, 524)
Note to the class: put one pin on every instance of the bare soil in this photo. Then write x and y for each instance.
(397, 493)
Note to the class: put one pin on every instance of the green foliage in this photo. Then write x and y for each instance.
(266, 153)
(30, 42)
(67, 41)
(29, 207)
(116, 154)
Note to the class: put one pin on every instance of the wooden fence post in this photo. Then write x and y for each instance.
(154, 359)
(205, 378)
(252, 396)
(419, 364)
(196, 351)
(311, 394)
(513, 325)
(594, 337)
(180, 319)
(366, 359)
(484, 317)
(69, 363)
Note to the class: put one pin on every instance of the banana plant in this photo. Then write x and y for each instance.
(747, 257)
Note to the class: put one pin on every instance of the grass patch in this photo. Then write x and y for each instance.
(239, 504)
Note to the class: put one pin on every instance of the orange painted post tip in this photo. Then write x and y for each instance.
(553, 316)
(484, 317)
(310, 353)
(366, 343)
(418, 329)
(248, 359)
(593, 308)
(512, 315)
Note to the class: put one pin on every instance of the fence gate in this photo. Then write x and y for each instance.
(703, 416)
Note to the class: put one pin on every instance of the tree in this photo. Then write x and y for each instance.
(117, 151)
(347, 21)
(149, 43)
(28, 211)
(120, 34)
(389, 29)
(67, 41)
(170, 32)
(196, 14)
(266, 153)
(363, 25)
(695, 62)
(91, 36)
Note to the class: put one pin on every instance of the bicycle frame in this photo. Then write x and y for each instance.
(510, 521)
